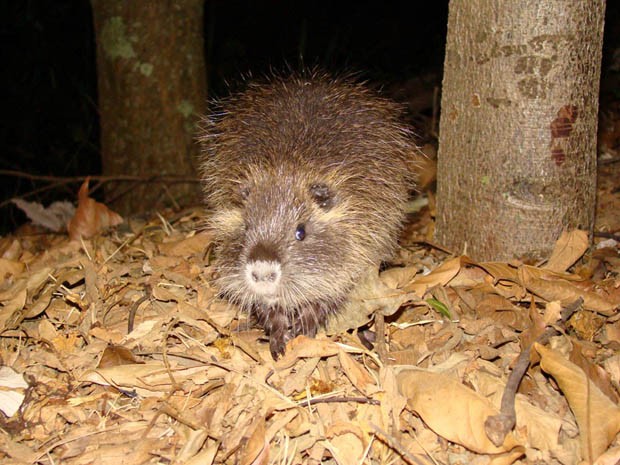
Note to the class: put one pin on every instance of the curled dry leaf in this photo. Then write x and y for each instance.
(454, 412)
(568, 249)
(147, 379)
(257, 448)
(345, 443)
(369, 296)
(597, 416)
(91, 217)
(442, 275)
(195, 440)
(426, 167)
(12, 390)
(556, 286)
(611, 457)
(206, 456)
(306, 347)
(194, 244)
(395, 278)
(550, 285)
(115, 355)
(54, 217)
(10, 248)
(11, 311)
(357, 374)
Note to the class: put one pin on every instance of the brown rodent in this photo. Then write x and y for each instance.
(307, 177)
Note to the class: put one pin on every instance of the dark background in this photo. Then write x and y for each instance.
(48, 85)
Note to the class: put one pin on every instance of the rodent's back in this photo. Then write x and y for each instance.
(307, 178)
(328, 126)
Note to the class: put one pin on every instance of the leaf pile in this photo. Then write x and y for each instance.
(117, 350)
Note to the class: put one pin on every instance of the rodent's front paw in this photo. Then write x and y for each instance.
(277, 343)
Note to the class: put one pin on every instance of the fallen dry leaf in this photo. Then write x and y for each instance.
(200, 374)
(556, 286)
(12, 390)
(205, 456)
(191, 449)
(440, 276)
(611, 457)
(345, 443)
(54, 217)
(257, 448)
(359, 376)
(395, 278)
(568, 249)
(148, 379)
(91, 217)
(597, 416)
(454, 411)
(11, 311)
(369, 296)
(305, 347)
(193, 244)
(115, 355)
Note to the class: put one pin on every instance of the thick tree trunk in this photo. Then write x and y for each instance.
(152, 87)
(517, 148)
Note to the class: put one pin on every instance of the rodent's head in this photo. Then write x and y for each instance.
(289, 241)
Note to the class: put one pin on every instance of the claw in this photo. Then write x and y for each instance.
(277, 344)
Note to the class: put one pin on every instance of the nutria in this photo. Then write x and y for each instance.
(306, 177)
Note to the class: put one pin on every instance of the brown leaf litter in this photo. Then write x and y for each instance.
(126, 356)
(91, 217)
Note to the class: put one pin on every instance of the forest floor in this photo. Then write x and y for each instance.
(116, 350)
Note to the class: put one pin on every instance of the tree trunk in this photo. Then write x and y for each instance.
(517, 147)
(152, 87)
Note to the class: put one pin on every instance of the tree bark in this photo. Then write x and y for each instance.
(517, 147)
(152, 88)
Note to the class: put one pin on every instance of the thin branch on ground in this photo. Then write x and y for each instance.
(498, 426)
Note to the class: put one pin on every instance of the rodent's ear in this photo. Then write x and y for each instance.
(322, 195)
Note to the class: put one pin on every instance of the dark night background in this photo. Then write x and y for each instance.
(49, 87)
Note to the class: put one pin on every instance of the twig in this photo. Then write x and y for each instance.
(608, 235)
(381, 342)
(101, 178)
(174, 386)
(174, 413)
(331, 400)
(132, 312)
(498, 426)
(609, 161)
(57, 181)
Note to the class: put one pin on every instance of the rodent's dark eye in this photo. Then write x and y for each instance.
(300, 232)
(322, 195)
(244, 192)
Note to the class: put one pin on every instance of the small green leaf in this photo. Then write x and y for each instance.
(440, 307)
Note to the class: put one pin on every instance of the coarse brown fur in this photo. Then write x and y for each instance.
(311, 154)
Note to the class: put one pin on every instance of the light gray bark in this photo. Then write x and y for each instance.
(517, 148)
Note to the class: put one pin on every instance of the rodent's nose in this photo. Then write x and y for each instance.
(263, 277)
(268, 276)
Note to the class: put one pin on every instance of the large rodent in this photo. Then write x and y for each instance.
(306, 177)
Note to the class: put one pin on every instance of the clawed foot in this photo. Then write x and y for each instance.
(282, 326)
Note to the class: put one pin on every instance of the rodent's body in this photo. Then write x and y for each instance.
(307, 178)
